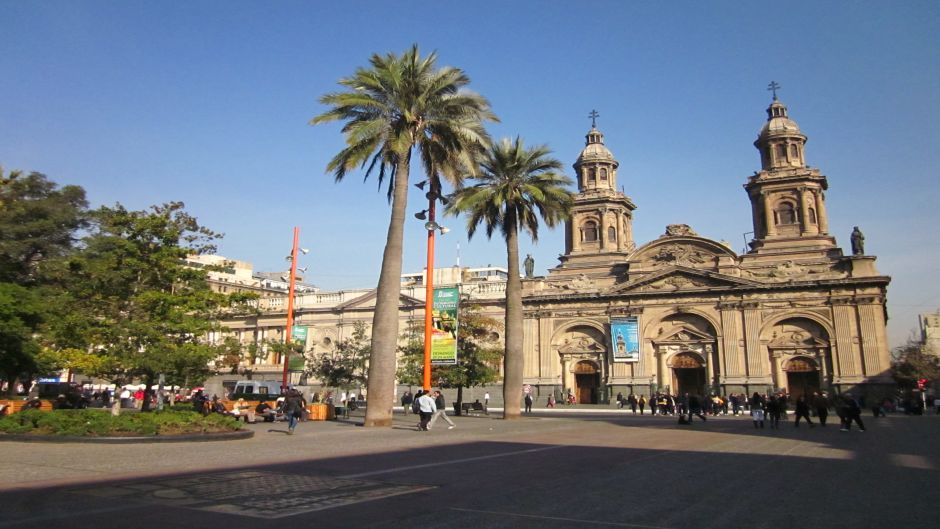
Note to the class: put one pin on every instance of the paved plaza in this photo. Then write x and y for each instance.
(550, 470)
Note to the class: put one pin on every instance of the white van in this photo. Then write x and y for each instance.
(256, 390)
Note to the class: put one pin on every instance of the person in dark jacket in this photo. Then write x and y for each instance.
(821, 404)
(441, 412)
(802, 411)
(293, 409)
(694, 407)
(851, 411)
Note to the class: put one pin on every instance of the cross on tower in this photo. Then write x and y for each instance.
(773, 87)
(593, 115)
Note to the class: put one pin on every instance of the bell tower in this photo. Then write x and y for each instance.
(600, 230)
(788, 202)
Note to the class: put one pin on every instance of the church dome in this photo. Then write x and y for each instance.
(778, 123)
(594, 149)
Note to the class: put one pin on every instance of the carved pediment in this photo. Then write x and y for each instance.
(579, 283)
(684, 335)
(796, 340)
(793, 271)
(681, 247)
(681, 278)
(581, 345)
(368, 301)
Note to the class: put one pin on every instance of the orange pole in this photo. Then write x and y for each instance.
(429, 297)
(288, 339)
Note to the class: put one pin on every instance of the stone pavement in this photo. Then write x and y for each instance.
(548, 470)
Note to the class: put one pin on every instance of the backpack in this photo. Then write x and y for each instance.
(415, 407)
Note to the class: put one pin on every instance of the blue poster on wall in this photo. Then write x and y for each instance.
(625, 341)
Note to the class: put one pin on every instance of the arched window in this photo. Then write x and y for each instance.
(612, 234)
(812, 216)
(592, 175)
(589, 232)
(781, 153)
(794, 153)
(785, 213)
(603, 173)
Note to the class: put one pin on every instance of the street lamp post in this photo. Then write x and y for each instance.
(289, 340)
(433, 194)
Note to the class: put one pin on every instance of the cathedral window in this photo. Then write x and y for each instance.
(612, 234)
(812, 216)
(781, 152)
(589, 232)
(603, 173)
(785, 213)
(592, 175)
(794, 153)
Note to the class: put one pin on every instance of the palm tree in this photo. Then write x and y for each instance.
(396, 105)
(515, 187)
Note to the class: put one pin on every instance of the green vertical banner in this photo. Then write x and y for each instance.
(299, 335)
(444, 333)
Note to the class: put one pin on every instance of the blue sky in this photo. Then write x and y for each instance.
(208, 102)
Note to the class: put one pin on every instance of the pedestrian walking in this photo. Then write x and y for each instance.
(756, 403)
(694, 407)
(632, 401)
(426, 409)
(821, 404)
(528, 403)
(619, 399)
(440, 411)
(486, 403)
(802, 411)
(642, 403)
(551, 401)
(406, 400)
(851, 411)
(293, 409)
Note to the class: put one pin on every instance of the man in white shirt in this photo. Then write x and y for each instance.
(426, 409)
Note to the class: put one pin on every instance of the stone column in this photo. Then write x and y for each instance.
(729, 340)
(752, 346)
(804, 211)
(874, 346)
(576, 233)
(769, 216)
(619, 230)
(844, 321)
(821, 216)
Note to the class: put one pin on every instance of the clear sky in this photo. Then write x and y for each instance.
(208, 102)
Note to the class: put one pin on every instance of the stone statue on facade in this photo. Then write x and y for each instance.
(858, 242)
(529, 266)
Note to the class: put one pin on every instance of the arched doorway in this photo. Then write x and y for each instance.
(587, 380)
(802, 377)
(688, 373)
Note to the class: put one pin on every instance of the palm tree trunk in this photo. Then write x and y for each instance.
(513, 360)
(381, 381)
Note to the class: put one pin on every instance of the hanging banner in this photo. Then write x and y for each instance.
(625, 341)
(299, 334)
(444, 333)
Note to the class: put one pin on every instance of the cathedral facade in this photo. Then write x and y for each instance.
(684, 313)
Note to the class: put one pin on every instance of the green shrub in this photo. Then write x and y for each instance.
(100, 423)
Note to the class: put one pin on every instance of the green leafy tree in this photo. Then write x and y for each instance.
(21, 312)
(38, 223)
(135, 302)
(478, 353)
(397, 105)
(516, 187)
(911, 362)
(344, 366)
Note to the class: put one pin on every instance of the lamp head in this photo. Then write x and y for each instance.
(444, 229)
(421, 215)
(305, 251)
(431, 225)
(420, 185)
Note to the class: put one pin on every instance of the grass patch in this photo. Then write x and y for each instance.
(100, 423)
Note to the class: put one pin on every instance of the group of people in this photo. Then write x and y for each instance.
(771, 408)
(430, 407)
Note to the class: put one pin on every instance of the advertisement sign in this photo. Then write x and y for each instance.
(625, 341)
(444, 332)
(299, 334)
